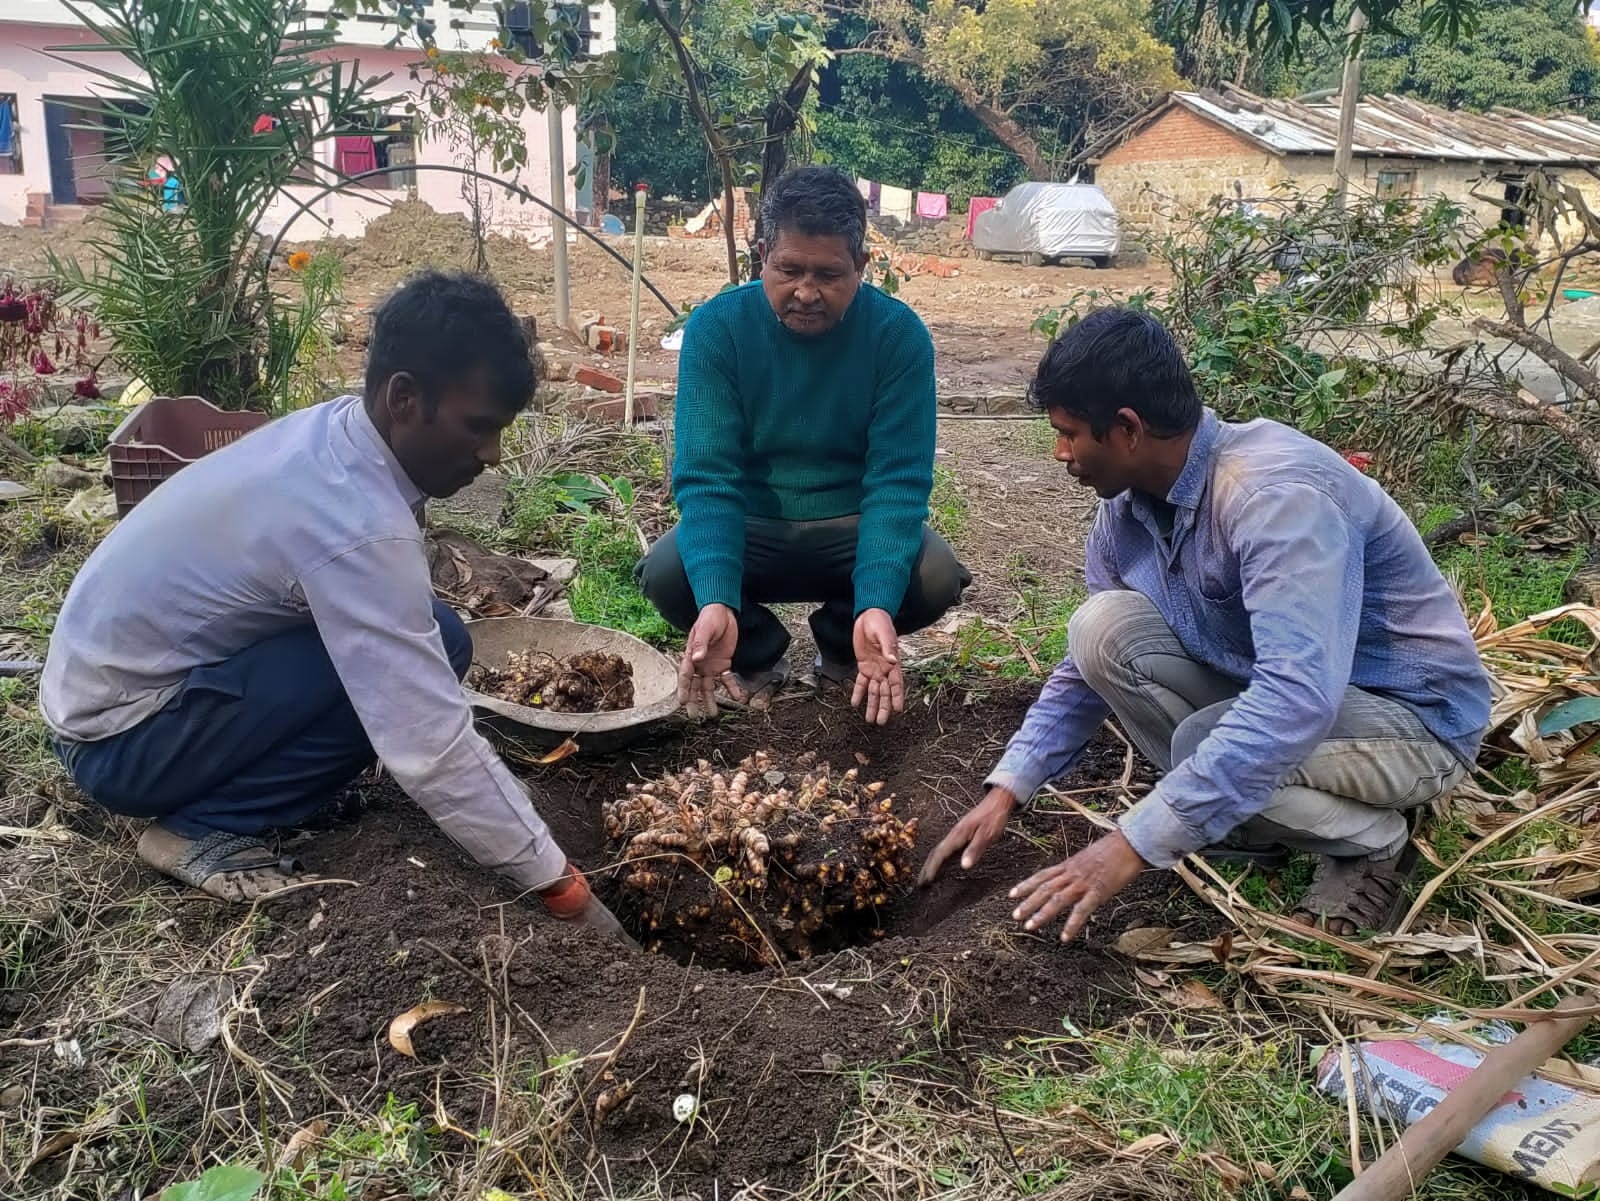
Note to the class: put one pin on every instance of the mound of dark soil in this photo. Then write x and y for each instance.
(766, 1052)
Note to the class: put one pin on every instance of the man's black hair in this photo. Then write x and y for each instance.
(1117, 359)
(817, 201)
(442, 326)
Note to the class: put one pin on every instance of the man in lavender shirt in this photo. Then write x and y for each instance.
(1267, 626)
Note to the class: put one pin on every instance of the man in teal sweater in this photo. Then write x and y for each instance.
(805, 430)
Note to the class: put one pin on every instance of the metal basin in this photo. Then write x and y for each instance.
(655, 682)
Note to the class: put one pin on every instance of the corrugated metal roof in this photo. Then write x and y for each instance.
(1388, 126)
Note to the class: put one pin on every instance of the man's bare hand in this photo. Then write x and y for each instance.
(879, 682)
(707, 658)
(1078, 886)
(972, 835)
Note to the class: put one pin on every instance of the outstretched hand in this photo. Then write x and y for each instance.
(879, 681)
(1077, 886)
(974, 834)
(707, 658)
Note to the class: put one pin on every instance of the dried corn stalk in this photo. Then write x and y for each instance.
(587, 682)
(764, 862)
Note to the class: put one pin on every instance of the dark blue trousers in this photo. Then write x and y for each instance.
(259, 741)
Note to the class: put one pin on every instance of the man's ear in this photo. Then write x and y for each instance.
(402, 397)
(1131, 426)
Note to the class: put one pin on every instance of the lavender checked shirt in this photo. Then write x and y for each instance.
(1286, 569)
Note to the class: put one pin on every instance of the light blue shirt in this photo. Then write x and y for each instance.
(308, 520)
(1285, 569)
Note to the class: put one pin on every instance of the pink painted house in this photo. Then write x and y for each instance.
(51, 172)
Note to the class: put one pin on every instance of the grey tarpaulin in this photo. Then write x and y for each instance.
(1050, 220)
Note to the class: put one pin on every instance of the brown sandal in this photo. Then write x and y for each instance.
(1364, 894)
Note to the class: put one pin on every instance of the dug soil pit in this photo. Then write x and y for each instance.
(572, 1024)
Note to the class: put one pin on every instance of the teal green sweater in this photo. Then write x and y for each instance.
(771, 424)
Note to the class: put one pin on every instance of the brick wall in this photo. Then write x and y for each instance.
(1176, 135)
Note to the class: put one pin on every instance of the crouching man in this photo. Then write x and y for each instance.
(1266, 625)
(804, 429)
(263, 626)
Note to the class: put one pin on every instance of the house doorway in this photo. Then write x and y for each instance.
(86, 144)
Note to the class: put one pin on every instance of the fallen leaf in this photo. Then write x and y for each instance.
(567, 749)
(1193, 994)
(1151, 979)
(1147, 1145)
(317, 919)
(1142, 938)
(301, 1141)
(1223, 947)
(54, 1145)
(400, 1029)
(862, 759)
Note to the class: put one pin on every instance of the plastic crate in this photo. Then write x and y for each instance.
(162, 436)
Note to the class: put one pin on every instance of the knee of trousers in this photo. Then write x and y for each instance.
(456, 637)
(664, 582)
(1097, 633)
(940, 577)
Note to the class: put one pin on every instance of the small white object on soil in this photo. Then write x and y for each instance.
(685, 1106)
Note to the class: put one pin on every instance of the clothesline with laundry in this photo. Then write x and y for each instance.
(906, 206)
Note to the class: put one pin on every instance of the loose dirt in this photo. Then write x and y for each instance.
(768, 1053)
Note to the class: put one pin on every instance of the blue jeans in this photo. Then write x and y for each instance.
(259, 741)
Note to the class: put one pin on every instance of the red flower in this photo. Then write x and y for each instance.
(12, 309)
(1359, 459)
(264, 124)
(42, 364)
(86, 388)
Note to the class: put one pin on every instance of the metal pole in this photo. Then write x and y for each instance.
(558, 197)
(1349, 93)
(633, 317)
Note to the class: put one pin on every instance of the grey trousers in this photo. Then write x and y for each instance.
(1347, 799)
(798, 561)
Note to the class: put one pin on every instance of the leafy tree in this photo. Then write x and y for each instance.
(881, 120)
(1042, 75)
(1535, 55)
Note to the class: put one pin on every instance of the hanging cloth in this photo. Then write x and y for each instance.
(979, 204)
(353, 155)
(933, 206)
(896, 202)
(7, 129)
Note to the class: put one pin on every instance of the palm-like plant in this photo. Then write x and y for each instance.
(183, 293)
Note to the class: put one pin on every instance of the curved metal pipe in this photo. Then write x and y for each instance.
(305, 207)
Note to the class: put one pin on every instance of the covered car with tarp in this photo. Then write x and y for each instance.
(1045, 222)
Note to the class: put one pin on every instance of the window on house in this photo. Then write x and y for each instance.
(385, 142)
(10, 137)
(1513, 215)
(1396, 185)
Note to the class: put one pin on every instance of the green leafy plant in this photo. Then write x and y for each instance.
(225, 1182)
(300, 341)
(235, 97)
(1304, 310)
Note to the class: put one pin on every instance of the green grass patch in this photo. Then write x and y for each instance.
(1028, 647)
(590, 519)
(948, 510)
(1519, 582)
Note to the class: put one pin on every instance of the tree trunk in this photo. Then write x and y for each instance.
(1015, 138)
(782, 115)
(725, 161)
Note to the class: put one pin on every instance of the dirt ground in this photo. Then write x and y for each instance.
(768, 1053)
(979, 318)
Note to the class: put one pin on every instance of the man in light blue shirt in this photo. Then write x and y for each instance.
(262, 627)
(1265, 623)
